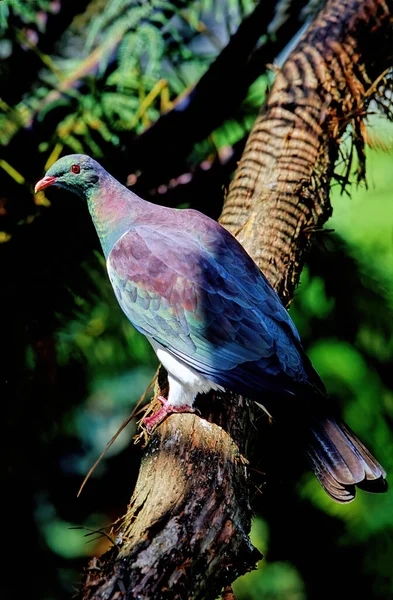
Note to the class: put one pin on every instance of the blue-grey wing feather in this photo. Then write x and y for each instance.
(197, 292)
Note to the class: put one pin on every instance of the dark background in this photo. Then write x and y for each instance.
(93, 77)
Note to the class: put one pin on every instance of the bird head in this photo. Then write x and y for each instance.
(77, 173)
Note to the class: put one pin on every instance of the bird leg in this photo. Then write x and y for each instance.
(166, 409)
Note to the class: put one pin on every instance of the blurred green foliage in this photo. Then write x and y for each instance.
(96, 76)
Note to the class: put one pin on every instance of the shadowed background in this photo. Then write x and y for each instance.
(95, 77)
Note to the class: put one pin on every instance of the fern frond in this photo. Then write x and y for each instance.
(27, 12)
(120, 110)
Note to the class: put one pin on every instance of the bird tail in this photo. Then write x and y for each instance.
(341, 462)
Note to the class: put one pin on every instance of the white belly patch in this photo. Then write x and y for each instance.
(184, 382)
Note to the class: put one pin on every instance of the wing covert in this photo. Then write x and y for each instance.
(203, 298)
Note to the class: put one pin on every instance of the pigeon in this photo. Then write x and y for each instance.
(213, 320)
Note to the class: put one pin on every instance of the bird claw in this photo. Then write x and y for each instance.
(166, 409)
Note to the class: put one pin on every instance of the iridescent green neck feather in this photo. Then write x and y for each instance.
(112, 206)
(113, 209)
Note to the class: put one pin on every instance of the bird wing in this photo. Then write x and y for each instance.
(191, 286)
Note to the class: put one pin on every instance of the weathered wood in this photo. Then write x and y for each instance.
(185, 533)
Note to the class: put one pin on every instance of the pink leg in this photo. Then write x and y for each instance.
(166, 409)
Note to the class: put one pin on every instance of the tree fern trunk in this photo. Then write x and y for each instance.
(185, 534)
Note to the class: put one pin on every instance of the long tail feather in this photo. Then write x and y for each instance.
(341, 462)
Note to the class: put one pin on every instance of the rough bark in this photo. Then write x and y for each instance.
(280, 194)
(185, 534)
(184, 517)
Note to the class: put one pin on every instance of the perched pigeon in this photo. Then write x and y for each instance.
(212, 318)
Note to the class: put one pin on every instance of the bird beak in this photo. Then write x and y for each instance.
(44, 183)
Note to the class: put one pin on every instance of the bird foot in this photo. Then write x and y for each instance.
(165, 410)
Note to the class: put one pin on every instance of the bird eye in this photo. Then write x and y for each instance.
(75, 169)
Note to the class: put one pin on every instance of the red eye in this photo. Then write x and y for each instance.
(75, 169)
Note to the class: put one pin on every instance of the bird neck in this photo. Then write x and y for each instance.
(113, 209)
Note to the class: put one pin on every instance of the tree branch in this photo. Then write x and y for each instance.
(162, 149)
(185, 534)
(280, 194)
(198, 525)
(25, 59)
(214, 99)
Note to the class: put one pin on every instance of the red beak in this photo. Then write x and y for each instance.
(44, 183)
